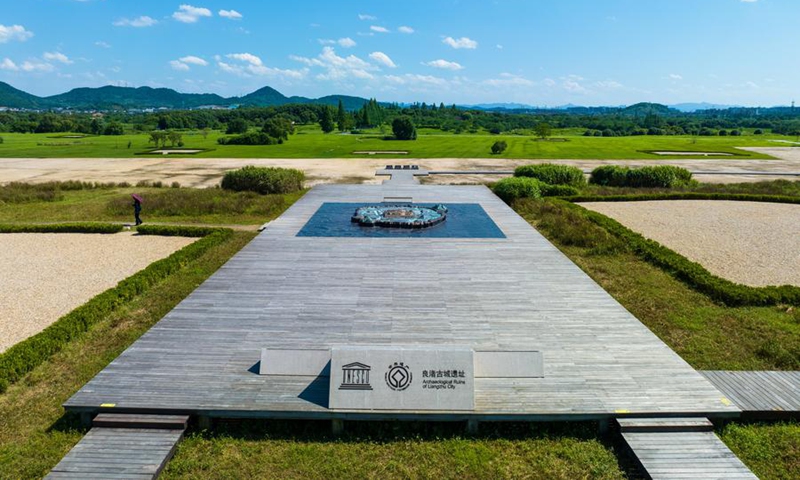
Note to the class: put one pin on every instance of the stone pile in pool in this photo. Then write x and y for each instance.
(399, 216)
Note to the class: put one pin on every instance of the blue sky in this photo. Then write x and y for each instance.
(540, 52)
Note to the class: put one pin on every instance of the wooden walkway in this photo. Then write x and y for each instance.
(118, 453)
(765, 394)
(670, 448)
(288, 292)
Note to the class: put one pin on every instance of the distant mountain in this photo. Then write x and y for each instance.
(501, 106)
(694, 107)
(13, 98)
(644, 108)
(110, 97)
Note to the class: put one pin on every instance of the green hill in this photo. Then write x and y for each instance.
(111, 97)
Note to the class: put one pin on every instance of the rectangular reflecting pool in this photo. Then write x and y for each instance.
(464, 220)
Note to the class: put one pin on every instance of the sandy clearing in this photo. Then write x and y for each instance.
(206, 172)
(45, 276)
(751, 243)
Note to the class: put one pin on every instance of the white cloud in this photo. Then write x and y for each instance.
(179, 66)
(571, 83)
(36, 66)
(749, 1)
(190, 14)
(14, 32)
(362, 16)
(246, 57)
(499, 47)
(462, 42)
(138, 22)
(608, 84)
(252, 65)
(444, 64)
(183, 63)
(56, 57)
(231, 14)
(382, 58)
(379, 29)
(405, 29)
(102, 44)
(8, 64)
(336, 67)
(675, 76)
(192, 60)
(346, 42)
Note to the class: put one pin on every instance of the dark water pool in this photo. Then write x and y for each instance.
(464, 220)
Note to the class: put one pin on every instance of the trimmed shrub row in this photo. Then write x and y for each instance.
(559, 190)
(553, 174)
(739, 197)
(694, 274)
(657, 176)
(514, 188)
(63, 228)
(177, 230)
(30, 353)
(264, 180)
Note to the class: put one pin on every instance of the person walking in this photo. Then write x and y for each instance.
(137, 208)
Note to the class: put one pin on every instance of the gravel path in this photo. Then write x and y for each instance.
(207, 172)
(45, 276)
(751, 243)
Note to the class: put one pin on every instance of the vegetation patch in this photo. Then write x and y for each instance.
(264, 180)
(515, 188)
(770, 450)
(174, 151)
(391, 450)
(694, 153)
(553, 174)
(657, 176)
(85, 227)
(741, 197)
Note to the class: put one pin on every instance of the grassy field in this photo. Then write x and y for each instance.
(299, 450)
(310, 142)
(772, 450)
(22, 204)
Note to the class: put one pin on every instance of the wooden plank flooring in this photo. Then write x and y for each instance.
(516, 293)
(685, 455)
(118, 453)
(759, 392)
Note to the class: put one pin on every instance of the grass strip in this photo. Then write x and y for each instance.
(178, 230)
(691, 273)
(30, 353)
(736, 197)
(83, 227)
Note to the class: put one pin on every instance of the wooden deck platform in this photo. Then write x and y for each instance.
(667, 449)
(763, 394)
(289, 292)
(118, 453)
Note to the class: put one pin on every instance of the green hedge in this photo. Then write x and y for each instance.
(559, 191)
(694, 274)
(62, 228)
(657, 176)
(553, 174)
(177, 230)
(30, 353)
(738, 197)
(264, 180)
(514, 188)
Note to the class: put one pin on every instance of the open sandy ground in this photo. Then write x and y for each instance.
(751, 243)
(44, 275)
(206, 172)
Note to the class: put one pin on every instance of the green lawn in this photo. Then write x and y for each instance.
(310, 142)
(161, 205)
(771, 450)
(303, 451)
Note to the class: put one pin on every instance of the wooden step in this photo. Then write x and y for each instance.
(678, 424)
(122, 420)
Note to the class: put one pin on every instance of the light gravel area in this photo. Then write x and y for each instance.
(44, 275)
(752, 243)
(207, 172)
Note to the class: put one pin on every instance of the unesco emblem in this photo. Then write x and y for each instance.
(355, 376)
(398, 377)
